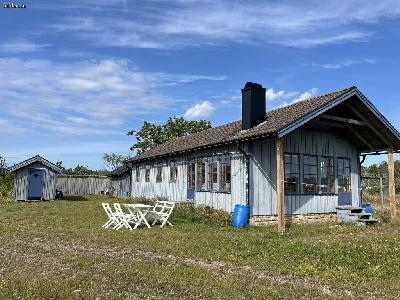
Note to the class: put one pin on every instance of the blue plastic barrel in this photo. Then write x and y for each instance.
(240, 215)
(368, 208)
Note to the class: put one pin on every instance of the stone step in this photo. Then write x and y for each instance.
(365, 216)
(367, 221)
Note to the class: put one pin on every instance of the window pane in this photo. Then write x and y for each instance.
(225, 176)
(344, 175)
(292, 173)
(159, 174)
(327, 175)
(201, 176)
(191, 175)
(310, 174)
(137, 174)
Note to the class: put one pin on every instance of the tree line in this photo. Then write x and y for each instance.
(380, 170)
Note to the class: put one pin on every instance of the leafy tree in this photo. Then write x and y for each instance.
(6, 178)
(151, 135)
(114, 161)
(60, 165)
(79, 170)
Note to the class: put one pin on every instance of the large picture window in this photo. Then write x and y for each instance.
(327, 175)
(213, 176)
(173, 171)
(191, 175)
(344, 180)
(310, 174)
(292, 173)
(201, 176)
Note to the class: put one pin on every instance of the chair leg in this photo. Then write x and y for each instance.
(107, 224)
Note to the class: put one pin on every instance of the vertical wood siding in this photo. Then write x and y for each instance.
(122, 183)
(21, 183)
(302, 141)
(177, 191)
(83, 185)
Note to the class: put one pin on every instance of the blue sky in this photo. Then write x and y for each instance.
(75, 76)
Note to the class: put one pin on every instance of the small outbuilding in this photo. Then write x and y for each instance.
(121, 180)
(35, 179)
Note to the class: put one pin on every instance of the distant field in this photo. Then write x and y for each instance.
(58, 250)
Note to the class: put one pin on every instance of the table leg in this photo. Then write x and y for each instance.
(142, 219)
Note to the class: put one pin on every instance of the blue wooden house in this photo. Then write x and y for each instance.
(301, 160)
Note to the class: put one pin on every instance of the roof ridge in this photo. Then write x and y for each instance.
(314, 98)
(233, 128)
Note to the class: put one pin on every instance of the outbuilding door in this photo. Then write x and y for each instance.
(35, 183)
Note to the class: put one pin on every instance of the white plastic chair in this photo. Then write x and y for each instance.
(161, 212)
(124, 218)
(112, 217)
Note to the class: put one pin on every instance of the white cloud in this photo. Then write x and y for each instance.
(21, 46)
(272, 95)
(158, 24)
(93, 97)
(293, 97)
(200, 110)
(306, 95)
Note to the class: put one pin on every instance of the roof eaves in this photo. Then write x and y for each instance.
(378, 114)
(36, 158)
(316, 112)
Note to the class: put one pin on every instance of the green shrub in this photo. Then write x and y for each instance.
(189, 212)
(6, 185)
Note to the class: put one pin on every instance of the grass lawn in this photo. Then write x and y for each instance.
(58, 250)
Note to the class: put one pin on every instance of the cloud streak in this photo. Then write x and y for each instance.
(91, 97)
(195, 23)
(344, 64)
(21, 46)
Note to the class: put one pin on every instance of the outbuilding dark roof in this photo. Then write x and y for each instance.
(34, 159)
(277, 122)
(119, 171)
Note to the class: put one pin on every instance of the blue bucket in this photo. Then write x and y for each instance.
(368, 208)
(240, 215)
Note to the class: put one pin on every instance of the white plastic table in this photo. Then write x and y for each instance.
(140, 211)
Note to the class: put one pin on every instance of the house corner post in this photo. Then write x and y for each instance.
(280, 185)
(392, 185)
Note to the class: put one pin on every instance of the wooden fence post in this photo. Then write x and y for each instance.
(280, 185)
(382, 195)
(392, 186)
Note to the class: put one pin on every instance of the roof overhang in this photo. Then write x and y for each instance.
(35, 159)
(370, 129)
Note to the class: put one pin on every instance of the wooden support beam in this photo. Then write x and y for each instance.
(319, 122)
(392, 186)
(359, 136)
(280, 185)
(359, 115)
(343, 120)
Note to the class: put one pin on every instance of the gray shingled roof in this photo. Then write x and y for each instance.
(119, 171)
(231, 132)
(32, 160)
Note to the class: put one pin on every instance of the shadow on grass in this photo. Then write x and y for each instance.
(75, 198)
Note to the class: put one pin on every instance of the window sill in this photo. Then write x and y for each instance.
(215, 192)
(310, 194)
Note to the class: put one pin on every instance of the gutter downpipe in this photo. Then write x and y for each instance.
(247, 156)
